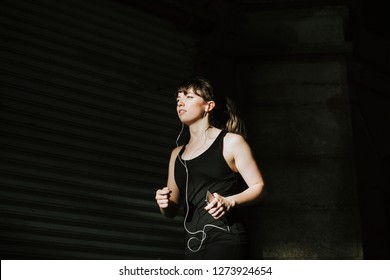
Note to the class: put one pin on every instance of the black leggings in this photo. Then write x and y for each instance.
(221, 252)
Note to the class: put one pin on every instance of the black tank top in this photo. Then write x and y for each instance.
(209, 171)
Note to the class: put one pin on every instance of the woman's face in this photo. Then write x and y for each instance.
(190, 107)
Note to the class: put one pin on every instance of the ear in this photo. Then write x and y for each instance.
(210, 106)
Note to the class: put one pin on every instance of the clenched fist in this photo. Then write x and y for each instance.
(162, 197)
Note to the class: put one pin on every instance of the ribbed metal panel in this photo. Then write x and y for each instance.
(87, 125)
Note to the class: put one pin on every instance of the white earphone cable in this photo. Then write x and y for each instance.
(202, 231)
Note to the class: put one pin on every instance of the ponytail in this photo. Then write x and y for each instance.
(234, 123)
(225, 116)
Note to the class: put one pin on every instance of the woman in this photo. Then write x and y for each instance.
(204, 174)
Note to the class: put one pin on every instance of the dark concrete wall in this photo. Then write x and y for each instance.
(299, 113)
(369, 88)
(286, 68)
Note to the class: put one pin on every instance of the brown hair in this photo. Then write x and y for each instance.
(224, 115)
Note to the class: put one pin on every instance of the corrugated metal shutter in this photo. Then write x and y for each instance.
(87, 125)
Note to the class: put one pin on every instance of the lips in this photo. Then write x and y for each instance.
(182, 111)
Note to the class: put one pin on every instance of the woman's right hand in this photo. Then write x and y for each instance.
(162, 197)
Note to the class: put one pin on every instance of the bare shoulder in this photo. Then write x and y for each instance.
(234, 144)
(176, 151)
(233, 139)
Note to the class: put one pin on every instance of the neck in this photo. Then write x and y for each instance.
(198, 129)
(198, 138)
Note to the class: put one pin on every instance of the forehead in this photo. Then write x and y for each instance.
(185, 91)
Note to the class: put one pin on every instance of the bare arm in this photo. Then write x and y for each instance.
(168, 197)
(240, 158)
(246, 165)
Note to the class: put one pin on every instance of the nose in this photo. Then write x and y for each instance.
(180, 103)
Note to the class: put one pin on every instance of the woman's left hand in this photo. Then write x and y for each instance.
(219, 206)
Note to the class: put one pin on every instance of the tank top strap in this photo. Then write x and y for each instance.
(219, 141)
(221, 135)
(219, 138)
